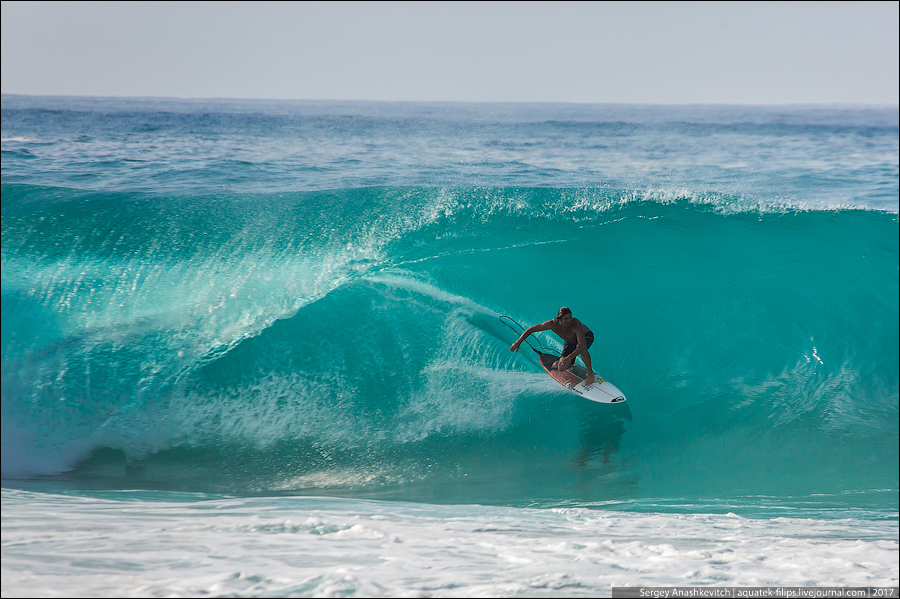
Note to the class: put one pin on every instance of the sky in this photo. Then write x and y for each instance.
(591, 52)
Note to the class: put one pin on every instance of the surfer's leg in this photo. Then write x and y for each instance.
(567, 349)
(586, 356)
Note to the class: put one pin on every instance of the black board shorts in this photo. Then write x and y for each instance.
(571, 345)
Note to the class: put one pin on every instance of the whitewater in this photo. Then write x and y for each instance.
(254, 348)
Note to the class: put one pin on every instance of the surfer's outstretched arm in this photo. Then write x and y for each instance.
(544, 326)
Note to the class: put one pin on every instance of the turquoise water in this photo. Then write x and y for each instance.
(350, 343)
(260, 343)
(176, 317)
(347, 341)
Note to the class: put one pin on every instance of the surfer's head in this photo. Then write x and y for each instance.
(564, 315)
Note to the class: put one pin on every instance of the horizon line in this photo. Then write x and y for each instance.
(371, 101)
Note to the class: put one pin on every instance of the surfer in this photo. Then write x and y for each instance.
(578, 339)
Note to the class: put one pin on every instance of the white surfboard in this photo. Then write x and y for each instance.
(600, 390)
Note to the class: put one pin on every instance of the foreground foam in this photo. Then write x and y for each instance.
(305, 546)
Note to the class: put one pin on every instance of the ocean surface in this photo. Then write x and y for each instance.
(254, 348)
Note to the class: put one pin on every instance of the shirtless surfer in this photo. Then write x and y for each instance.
(578, 339)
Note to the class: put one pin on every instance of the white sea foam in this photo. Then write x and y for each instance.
(143, 544)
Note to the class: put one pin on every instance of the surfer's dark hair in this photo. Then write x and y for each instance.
(563, 311)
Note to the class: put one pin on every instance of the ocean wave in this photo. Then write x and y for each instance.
(275, 342)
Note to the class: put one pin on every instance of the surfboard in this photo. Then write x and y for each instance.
(600, 390)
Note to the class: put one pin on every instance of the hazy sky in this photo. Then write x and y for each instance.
(658, 53)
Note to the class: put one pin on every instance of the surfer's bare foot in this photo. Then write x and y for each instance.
(590, 379)
(555, 365)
